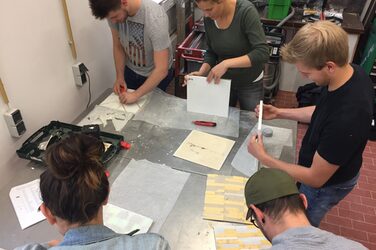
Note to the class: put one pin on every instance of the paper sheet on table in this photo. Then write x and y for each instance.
(149, 189)
(239, 237)
(224, 199)
(26, 201)
(169, 111)
(123, 221)
(247, 164)
(100, 115)
(113, 102)
(205, 98)
(205, 149)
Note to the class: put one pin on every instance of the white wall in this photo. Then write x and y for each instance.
(35, 66)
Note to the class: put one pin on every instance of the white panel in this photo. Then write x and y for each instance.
(208, 98)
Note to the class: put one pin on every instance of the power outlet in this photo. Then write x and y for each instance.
(14, 122)
(79, 73)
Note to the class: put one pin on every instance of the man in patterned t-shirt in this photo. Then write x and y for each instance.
(141, 45)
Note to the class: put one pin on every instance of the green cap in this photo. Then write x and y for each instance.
(268, 184)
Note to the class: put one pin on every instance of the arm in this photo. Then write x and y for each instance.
(296, 114)
(119, 59)
(315, 176)
(159, 72)
(220, 69)
(253, 29)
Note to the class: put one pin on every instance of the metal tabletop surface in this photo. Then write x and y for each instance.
(184, 228)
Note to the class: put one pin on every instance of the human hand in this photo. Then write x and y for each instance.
(186, 77)
(120, 86)
(269, 112)
(127, 97)
(256, 146)
(217, 72)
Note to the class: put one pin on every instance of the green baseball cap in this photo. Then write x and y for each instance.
(268, 184)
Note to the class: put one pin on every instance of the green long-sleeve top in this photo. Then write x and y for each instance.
(244, 36)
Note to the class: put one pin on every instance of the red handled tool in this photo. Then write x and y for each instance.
(205, 123)
(125, 145)
(122, 89)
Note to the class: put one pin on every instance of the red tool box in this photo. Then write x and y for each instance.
(189, 56)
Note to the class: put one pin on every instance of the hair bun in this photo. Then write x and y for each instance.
(77, 153)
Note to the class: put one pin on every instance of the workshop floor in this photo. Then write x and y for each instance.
(355, 216)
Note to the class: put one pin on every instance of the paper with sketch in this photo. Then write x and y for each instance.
(123, 221)
(236, 237)
(211, 99)
(26, 201)
(149, 189)
(205, 149)
(113, 102)
(247, 164)
(100, 115)
(224, 199)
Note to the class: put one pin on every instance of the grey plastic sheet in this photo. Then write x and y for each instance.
(148, 189)
(165, 110)
(247, 164)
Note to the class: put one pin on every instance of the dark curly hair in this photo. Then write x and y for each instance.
(101, 8)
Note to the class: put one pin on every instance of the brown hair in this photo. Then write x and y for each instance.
(277, 207)
(317, 43)
(75, 185)
(101, 8)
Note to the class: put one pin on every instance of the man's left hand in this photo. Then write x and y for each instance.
(256, 146)
(128, 97)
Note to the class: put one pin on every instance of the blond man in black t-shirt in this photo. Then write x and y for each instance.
(331, 153)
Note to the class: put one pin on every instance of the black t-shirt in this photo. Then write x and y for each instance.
(340, 127)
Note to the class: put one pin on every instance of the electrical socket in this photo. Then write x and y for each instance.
(13, 119)
(79, 73)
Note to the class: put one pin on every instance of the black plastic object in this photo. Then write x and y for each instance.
(34, 147)
(92, 130)
(275, 37)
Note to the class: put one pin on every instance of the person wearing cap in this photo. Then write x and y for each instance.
(331, 153)
(278, 209)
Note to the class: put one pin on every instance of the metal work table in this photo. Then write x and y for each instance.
(184, 228)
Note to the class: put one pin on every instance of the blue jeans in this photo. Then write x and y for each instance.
(134, 80)
(321, 200)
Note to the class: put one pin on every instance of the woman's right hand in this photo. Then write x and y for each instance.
(269, 112)
(186, 77)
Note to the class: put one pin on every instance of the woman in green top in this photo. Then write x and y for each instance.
(237, 49)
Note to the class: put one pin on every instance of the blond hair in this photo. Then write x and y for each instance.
(317, 43)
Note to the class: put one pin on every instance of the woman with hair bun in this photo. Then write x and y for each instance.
(74, 189)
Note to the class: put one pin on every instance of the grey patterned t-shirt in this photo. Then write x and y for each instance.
(142, 34)
(312, 238)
